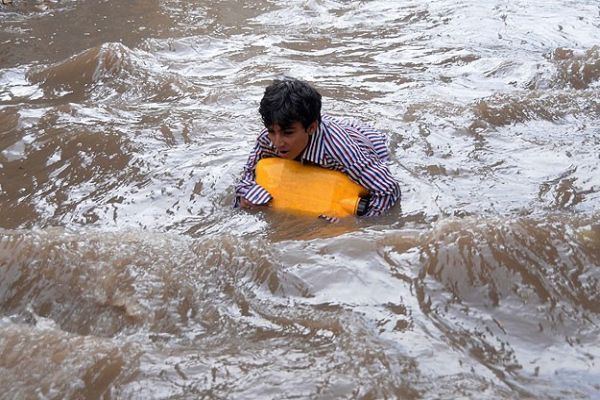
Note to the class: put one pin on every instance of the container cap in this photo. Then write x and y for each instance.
(363, 204)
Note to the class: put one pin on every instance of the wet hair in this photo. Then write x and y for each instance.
(289, 100)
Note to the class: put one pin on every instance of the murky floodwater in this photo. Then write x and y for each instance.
(125, 273)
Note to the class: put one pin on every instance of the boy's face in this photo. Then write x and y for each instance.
(290, 141)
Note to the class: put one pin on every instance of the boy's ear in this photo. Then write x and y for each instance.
(312, 128)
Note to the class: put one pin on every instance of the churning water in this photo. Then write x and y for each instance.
(125, 273)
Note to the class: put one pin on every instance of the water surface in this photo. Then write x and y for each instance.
(125, 273)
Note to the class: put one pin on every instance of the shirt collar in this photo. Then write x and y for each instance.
(313, 153)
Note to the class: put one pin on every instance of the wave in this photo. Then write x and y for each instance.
(505, 291)
(507, 109)
(44, 361)
(497, 291)
(109, 71)
(112, 283)
(578, 69)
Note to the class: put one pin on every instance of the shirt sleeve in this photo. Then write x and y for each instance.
(365, 169)
(247, 186)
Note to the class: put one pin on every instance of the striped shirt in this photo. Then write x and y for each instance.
(349, 146)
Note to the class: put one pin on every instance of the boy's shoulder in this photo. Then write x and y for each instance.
(334, 123)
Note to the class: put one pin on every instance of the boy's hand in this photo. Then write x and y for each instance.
(331, 220)
(251, 206)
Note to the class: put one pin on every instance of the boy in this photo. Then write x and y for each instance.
(295, 130)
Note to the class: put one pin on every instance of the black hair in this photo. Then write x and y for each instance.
(289, 100)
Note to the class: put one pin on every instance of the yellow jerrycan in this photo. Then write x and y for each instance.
(310, 190)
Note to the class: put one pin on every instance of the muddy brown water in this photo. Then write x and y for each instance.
(126, 274)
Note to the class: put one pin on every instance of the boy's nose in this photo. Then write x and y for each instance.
(277, 141)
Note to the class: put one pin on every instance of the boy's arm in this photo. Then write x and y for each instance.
(247, 190)
(366, 170)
